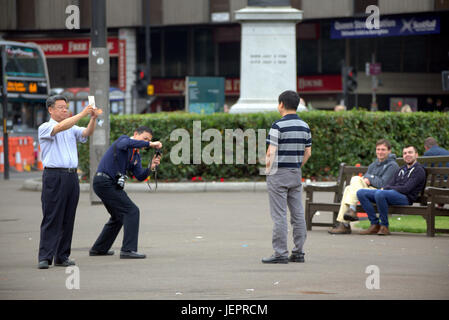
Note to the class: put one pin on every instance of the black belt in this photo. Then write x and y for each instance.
(69, 170)
(101, 174)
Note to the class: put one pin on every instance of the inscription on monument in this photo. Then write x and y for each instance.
(268, 58)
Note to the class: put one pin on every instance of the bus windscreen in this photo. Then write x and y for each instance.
(24, 62)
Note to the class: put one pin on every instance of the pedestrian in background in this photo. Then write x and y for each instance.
(433, 149)
(290, 146)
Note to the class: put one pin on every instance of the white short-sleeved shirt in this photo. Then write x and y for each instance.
(60, 150)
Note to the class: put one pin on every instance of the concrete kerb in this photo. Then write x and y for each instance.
(36, 185)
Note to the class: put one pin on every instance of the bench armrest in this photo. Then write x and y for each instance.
(438, 195)
(437, 191)
(312, 188)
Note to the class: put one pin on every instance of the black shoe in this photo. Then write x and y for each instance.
(43, 264)
(66, 263)
(274, 259)
(99, 253)
(131, 255)
(297, 257)
(351, 215)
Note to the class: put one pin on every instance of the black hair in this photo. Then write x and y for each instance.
(290, 99)
(410, 146)
(52, 99)
(143, 129)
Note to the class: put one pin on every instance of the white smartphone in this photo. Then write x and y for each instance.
(92, 101)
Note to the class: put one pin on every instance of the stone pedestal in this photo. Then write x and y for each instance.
(268, 56)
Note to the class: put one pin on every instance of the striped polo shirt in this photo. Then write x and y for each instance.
(291, 135)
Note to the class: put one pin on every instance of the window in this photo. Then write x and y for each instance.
(204, 52)
(415, 54)
(361, 52)
(229, 62)
(389, 53)
(438, 55)
(333, 51)
(175, 53)
(307, 55)
(156, 64)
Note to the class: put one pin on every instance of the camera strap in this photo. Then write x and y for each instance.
(155, 177)
(155, 180)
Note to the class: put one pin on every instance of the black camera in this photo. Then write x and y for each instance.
(158, 153)
(121, 178)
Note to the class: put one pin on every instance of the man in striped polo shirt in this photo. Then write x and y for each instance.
(290, 146)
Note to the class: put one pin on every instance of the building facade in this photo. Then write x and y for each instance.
(202, 38)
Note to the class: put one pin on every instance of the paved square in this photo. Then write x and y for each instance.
(209, 246)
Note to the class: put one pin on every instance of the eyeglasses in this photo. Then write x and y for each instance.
(61, 107)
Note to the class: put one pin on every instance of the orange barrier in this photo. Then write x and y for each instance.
(20, 152)
(27, 150)
(2, 157)
(19, 164)
(40, 165)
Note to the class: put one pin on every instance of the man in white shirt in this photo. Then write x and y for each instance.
(60, 185)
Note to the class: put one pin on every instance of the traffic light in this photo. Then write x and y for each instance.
(351, 79)
(141, 81)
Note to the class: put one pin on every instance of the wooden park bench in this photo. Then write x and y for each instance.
(428, 204)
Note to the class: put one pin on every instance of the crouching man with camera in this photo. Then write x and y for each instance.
(122, 157)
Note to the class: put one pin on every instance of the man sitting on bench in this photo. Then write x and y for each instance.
(405, 188)
(379, 173)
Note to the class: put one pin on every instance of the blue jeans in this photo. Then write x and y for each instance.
(382, 198)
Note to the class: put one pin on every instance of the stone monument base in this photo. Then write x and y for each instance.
(251, 106)
(268, 56)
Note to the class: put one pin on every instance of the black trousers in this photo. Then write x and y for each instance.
(123, 213)
(60, 195)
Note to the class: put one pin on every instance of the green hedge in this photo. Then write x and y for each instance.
(337, 137)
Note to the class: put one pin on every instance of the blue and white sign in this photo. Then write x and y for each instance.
(389, 27)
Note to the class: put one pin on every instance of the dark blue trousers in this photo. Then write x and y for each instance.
(383, 199)
(123, 213)
(60, 195)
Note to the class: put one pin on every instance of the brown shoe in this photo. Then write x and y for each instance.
(340, 229)
(351, 215)
(384, 231)
(373, 229)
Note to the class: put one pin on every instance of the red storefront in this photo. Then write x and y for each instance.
(70, 55)
(172, 91)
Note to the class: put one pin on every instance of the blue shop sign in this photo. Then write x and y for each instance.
(389, 27)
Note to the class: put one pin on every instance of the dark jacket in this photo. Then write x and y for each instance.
(126, 158)
(380, 174)
(436, 151)
(409, 181)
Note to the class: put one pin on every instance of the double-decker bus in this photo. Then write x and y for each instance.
(28, 86)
